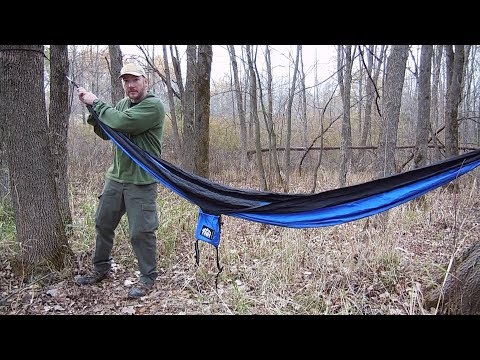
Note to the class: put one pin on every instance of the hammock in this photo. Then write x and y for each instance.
(291, 210)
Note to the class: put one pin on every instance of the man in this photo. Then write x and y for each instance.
(128, 188)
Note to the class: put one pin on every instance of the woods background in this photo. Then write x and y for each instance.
(384, 109)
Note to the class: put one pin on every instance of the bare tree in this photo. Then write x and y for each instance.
(177, 70)
(423, 111)
(171, 102)
(246, 85)
(303, 104)
(268, 117)
(188, 102)
(374, 62)
(289, 121)
(240, 107)
(437, 61)
(116, 63)
(95, 66)
(360, 102)
(320, 114)
(254, 116)
(59, 112)
(392, 99)
(344, 72)
(454, 96)
(466, 128)
(202, 111)
(39, 228)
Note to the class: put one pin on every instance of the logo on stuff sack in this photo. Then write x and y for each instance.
(207, 232)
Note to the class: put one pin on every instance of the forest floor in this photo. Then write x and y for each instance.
(352, 268)
(380, 265)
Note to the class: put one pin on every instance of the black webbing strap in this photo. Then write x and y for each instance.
(197, 260)
(220, 269)
(197, 252)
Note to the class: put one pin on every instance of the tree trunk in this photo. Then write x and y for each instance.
(459, 293)
(320, 116)
(455, 66)
(202, 111)
(392, 99)
(274, 165)
(373, 72)
(177, 70)
(423, 111)
(39, 227)
(454, 96)
(289, 122)
(344, 71)
(188, 102)
(361, 76)
(116, 63)
(59, 112)
(254, 115)
(437, 61)
(171, 102)
(269, 117)
(240, 107)
(303, 98)
(4, 182)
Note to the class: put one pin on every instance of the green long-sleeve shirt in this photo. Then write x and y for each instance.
(142, 123)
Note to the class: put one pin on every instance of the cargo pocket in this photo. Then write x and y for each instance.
(105, 214)
(150, 219)
(98, 211)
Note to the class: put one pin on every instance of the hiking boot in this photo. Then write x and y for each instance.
(92, 278)
(139, 290)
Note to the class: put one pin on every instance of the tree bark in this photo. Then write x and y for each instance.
(423, 111)
(392, 99)
(189, 110)
(39, 228)
(269, 117)
(4, 181)
(59, 112)
(289, 122)
(254, 115)
(202, 111)
(273, 162)
(240, 107)
(373, 72)
(344, 71)
(454, 96)
(459, 292)
(437, 61)
(171, 102)
(116, 63)
(303, 98)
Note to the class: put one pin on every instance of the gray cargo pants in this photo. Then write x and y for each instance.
(139, 202)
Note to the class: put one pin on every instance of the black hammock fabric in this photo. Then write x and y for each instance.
(292, 210)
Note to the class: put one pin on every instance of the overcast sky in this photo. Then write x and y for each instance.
(325, 55)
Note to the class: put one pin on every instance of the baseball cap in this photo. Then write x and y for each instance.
(132, 69)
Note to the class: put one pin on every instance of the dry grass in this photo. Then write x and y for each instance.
(353, 268)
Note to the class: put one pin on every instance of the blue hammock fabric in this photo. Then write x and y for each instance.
(292, 210)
